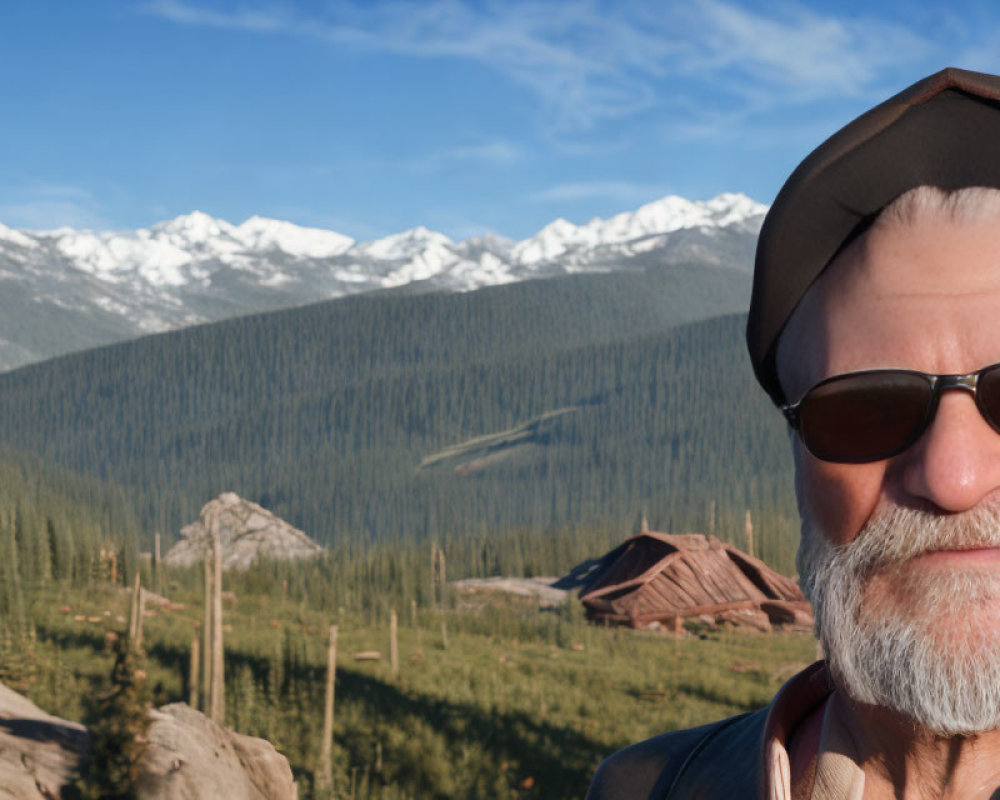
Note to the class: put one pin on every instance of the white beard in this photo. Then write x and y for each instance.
(934, 658)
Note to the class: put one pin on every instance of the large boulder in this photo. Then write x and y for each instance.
(190, 756)
(248, 532)
(39, 754)
(187, 756)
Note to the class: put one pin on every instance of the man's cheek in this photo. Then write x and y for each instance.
(838, 498)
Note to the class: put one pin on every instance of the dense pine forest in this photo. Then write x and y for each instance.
(562, 402)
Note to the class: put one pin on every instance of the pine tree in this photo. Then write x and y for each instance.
(118, 729)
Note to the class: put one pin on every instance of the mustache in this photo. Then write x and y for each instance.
(895, 535)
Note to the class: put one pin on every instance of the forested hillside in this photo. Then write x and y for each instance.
(57, 526)
(584, 399)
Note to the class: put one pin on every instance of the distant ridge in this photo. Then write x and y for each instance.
(324, 414)
(67, 290)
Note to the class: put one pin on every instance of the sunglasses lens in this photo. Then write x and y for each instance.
(988, 395)
(867, 417)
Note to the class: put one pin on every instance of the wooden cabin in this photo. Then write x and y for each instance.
(661, 579)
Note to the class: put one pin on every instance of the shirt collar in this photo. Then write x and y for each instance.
(791, 705)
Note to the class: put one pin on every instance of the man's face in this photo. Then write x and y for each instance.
(903, 555)
(922, 296)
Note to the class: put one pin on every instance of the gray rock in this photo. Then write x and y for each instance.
(187, 756)
(248, 532)
(39, 754)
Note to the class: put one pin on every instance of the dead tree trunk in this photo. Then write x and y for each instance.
(434, 567)
(325, 778)
(194, 673)
(218, 706)
(442, 579)
(135, 616)
(206, 634)
(394, 642)
(157, 566)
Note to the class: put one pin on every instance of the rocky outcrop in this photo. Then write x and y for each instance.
(248, 532)
(39, 754)
(190, 756)
(187, 756)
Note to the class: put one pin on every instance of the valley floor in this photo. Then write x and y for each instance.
(495, 696)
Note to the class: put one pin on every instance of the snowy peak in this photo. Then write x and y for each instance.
(194, 228)
(664, 216)
(403, 245)
(549, 243)
(15, 237)
(735, 209)
(197, 268)
(179, 251)
(260, 233)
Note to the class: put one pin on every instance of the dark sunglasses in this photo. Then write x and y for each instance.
(867, 416)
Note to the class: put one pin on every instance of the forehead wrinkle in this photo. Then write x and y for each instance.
(873, 280)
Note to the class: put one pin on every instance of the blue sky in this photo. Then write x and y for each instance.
(373, 117)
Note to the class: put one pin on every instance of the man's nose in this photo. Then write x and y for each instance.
(956, 463)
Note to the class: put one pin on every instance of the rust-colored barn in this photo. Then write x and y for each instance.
(660, 579)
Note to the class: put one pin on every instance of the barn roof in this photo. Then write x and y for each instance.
(659, 577)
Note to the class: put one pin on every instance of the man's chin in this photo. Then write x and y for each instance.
(946, 599)
(919, 635)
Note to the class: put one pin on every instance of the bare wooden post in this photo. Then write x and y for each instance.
(434, 568)
(206, 632)
(326, 750)
(394, 642)
(749, 528)
(194, 673)
(138, 611)
(218, 708)
(133, 614)
(16, 572)
(157, 587)
(114, 567)
(442, 580)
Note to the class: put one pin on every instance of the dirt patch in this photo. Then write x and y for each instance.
(539, 588)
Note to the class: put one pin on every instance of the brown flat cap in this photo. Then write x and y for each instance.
(943, 131)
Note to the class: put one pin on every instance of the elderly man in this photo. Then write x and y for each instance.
(875, 327)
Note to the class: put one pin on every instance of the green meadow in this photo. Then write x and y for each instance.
(494, 697)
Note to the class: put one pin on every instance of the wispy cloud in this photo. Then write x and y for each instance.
(495, 152)
(257, 20)
(43, 206)
(587, 62)
(799, 50)
(624, 192)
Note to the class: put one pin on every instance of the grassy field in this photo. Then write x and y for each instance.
(494, 698)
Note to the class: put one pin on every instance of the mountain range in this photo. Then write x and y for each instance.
(67, 290)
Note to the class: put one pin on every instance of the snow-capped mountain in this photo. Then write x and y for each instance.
(64, 289)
